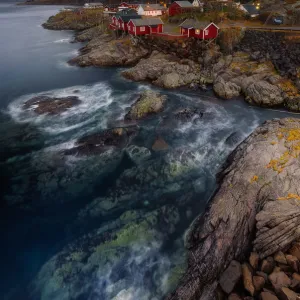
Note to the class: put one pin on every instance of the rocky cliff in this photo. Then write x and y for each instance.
(258, 200)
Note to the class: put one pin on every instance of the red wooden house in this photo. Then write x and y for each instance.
(128, 12)
(145, 26)
(123, 21)
(179, 7)
(200, 30)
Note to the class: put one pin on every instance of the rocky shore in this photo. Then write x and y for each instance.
(256, 209)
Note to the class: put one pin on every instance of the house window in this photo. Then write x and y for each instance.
(206, 32)
(197, 31)
(142, 28)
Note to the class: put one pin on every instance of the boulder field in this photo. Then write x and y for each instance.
(256, 208)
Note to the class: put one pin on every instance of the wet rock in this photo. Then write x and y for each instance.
(259, 283)
(147, 104)
(103, 141)
(280, 257)
(160, 145)
(231, 276)
(138, 154)
(52, 106)
(295, 284)
(247, 279)
(253, 260)
(268, 296)
(104, 255)
(263, 275)
(293, 262)
(279, 280)
(188, 114)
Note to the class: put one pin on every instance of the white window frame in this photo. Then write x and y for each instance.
(206, 31)
(142, 28)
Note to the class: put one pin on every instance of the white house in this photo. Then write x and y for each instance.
(197, 3)
(151, 10)
(93, 5)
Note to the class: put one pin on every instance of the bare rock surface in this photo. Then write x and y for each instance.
(105, 50)
(52, 106)
(165, 70)
(262, 176)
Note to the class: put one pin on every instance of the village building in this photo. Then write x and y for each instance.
(128, 12)
(179, 7)
(93, 5)
(200, 30)
(125, 5)
(123, 21)
(145, 26)
(197, 3)
(152, 10)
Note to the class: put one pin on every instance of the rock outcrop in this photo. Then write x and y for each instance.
(257, 81)
(103, 141)
(90, 33)
(147, 104)
(261, 181)
(52, 106)
(107, 51)
(165, 70)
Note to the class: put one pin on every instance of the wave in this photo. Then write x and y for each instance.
(68, 40)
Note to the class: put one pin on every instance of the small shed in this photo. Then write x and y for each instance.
(179, 7)
(145, 26)
(153, 10)
(200, 30)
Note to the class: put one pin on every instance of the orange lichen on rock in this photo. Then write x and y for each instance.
(289, 196)
(254, 179)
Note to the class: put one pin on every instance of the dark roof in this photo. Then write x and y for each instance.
(185, 4)
(251, 9)
(148, 7)
(126, 12)
(126, 19)
(147, 22)
(190, 23)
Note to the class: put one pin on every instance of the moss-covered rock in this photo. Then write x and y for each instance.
(148, 103)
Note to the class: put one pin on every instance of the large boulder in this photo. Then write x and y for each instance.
(164, 70)
(148, 103)
(226, 89)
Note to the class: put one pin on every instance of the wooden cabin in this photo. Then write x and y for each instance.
(123, 21)
(128, 12)
(152, 10)
(179, 7)
(145, 26)
(200, 30)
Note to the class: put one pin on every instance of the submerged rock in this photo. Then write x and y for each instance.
(138, 154)
(111, 254)
(148, 103)
(52, 106)
(188, 114)
(103, 141)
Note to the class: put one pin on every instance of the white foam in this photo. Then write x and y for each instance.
(62, 41)
(93, 108)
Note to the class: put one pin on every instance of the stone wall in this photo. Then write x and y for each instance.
(282, 48)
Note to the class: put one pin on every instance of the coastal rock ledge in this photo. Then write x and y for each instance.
(256, 209)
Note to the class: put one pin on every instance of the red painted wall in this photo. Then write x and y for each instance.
(176, 9)
(212, 32)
